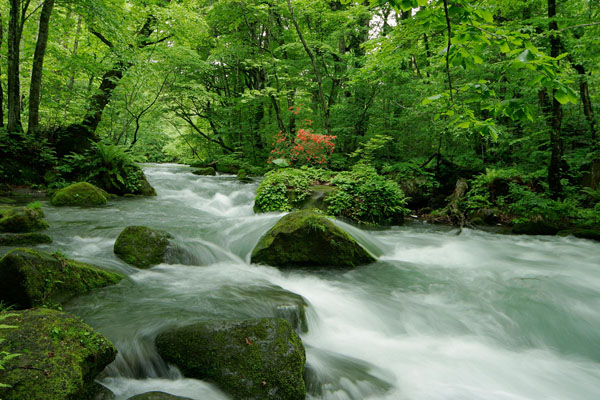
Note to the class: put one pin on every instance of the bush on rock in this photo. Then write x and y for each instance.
(252, 359)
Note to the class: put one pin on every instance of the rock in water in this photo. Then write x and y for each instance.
(22, 219)
(31, 278)
(80, 194)
(16, 239)
(204, 171)
(157, 396)
(141, 246)
(305, 238)
(252, 359)
(58, 356)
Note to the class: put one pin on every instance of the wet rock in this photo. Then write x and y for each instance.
(251, 359)
(484, 216)
(242, 176)
(22, 219)
(80, 194)
(59, 356)
(540, 227)
(204, 171)
(157, 396)
(145, 188)
(141, 246)
(17, 239)
(305, 238)
(30, 278)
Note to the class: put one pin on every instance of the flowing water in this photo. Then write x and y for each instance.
(441, 315)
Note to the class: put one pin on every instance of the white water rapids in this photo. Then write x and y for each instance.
(440, 316)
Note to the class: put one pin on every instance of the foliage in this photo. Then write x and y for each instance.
(364, 196)
(5, 356)
(307, 148)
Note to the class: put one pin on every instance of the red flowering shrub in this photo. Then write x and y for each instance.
(307, 148)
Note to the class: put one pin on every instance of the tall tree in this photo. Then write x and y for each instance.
(38, 67)
(18, 16)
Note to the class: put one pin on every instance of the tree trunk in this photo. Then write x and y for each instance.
(38, 68)
(1, 88)
(15, 29)
(555, 118)
(586, 101)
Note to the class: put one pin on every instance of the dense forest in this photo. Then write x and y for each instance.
(299, 199)
(500, 93)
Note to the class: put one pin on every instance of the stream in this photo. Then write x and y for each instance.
(441, 315)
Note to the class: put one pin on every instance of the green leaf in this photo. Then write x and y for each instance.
(504, 47)
(431, 99)
(562, 96)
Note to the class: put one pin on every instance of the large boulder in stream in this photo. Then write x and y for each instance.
(58, 356)
(208, 171)
(30, 278)
(305, 238)
(252, 359)
(80, 194)
(22, 219)
(141, 246)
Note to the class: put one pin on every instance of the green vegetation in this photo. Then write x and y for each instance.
(500, 93)
(59, 356)
(22, 219)
(251, 359)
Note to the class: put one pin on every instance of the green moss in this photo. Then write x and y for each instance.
(59, 356)
(204, 171)
(80, 194)
(157, 396)
(30, 278)
(304, 238)
(145, 189)
(141, 246)
(14, 239)
(22, 219)
(252, 359)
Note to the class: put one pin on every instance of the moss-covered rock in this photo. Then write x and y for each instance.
(252, 359)
(80, 194)
(141, 246)
(243, 177)
(157, 396)
(22, 219)
(30, 278)
(59, 356)
(145, 188)
(540, 227)
(17, 239)
(204, 171)
(305, 238)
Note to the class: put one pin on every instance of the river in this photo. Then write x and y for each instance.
(440, 316)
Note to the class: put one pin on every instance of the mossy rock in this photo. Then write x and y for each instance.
(59, 356)
(536, 228)
(80, 194)
(157, 396)
(227, 167)
(204, 171)
(145, 188)
(243, 177)
(30, 278)
(305, 238)
(141, 246)
(591, 234)
(17, 239)
(252, 359)
(22, 219)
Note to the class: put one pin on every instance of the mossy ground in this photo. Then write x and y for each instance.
(305, 238)
(80, 194)
(252, 359)
(31, 278)
(59, 356)
(141, 246)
